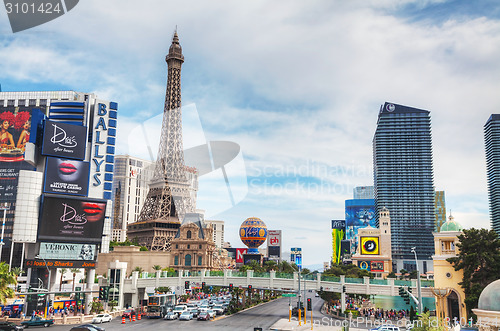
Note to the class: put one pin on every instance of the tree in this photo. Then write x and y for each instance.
(413, 274)
(156, 267)
(425, 323)
(74, 271)
(163, 289)
(391, 275)
(6, 278)
(305, 271)
(63, 271)
(403, 273)
(479, 258)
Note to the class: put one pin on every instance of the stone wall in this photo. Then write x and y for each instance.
(134, 258)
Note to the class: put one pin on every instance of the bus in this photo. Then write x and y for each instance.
(158, 305)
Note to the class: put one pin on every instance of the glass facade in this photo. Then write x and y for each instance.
(403, 178)
(492, 144)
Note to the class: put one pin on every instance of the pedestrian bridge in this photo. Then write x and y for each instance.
(135, 287)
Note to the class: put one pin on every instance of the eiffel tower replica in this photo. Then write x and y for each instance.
(168, 199)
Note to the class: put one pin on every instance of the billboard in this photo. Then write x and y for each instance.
(359, 213)
(338, 234)
(239, 254)
(15, 130)
(64, 140)
(67, 251)
(66, 176)
(294, 251)
(369, 245)
(377, 266)
(71, 219)
(59, 264)
(274, 238)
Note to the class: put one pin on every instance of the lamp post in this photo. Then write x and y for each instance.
(3, 207)
(48, 284)
(419, 288)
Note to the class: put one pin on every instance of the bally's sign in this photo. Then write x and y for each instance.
(64, 140)
(67, 251)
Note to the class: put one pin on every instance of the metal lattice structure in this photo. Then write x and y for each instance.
(168, 198)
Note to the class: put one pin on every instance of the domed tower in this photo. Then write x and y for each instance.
(445, 276)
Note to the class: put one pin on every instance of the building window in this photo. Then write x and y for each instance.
(199, 246)
(176, 246)
(176, 260)
(189, 246)
(187, 260)
(199, 260)
(188, 234)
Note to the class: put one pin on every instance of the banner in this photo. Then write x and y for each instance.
(338, 234)
(60, 264)
(71, 219)
(65, 176)
(239, 254)
(377, 266)
(369, 245)
(67, 251)
(15, 129)
(64, 140)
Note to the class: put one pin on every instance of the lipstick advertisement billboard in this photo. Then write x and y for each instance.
(66, 176)
(71, 219)
(64, 140)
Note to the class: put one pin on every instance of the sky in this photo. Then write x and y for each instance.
(296, 85)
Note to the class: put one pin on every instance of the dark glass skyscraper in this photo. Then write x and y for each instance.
(404, 180)
(492, 142)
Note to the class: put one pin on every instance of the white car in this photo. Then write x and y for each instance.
(170, 316)
(101, 318)
(212, 313)
(186, 316)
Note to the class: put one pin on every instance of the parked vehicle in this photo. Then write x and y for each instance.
(203, 316)
(37, 321)
(386, 328)
(101, 318)
(186, 316)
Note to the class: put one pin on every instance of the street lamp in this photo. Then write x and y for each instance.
(419, 288)
(3, 207)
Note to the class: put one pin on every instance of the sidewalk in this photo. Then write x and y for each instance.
(320, 325)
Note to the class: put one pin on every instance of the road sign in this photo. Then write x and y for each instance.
(293, 295)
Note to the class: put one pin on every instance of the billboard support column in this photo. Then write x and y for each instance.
(11, 253)
(22, 256)
(5, 208)
(90, 283)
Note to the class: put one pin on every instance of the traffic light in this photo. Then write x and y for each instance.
(102, 292)
(344, 290)
(409, 289)
(309, 305)
(401, 292)
(18, 288)
(106, 293)
(186, 284)
(77, 295)
(249, 287)
(203, 285)
(230, 287)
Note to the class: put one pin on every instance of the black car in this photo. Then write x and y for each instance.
(9, 326)
(87, 327)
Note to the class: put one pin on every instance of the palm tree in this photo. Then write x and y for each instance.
(6, 278)
(139, 269)
(17, 271)
(63, 271)
(156, 267)
(74, 271)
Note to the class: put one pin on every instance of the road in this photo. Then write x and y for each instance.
(263, 316)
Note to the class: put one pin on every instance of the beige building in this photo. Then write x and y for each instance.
(450, 298)
(134, 258)
(218, 232)
(374, 249)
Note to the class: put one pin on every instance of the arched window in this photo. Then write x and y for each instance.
(187, 260)
(176, 260)
(199, 260)
(188, 234)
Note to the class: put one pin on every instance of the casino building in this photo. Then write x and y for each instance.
(56, 173)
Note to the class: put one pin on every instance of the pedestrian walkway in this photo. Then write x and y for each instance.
(319, 324)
